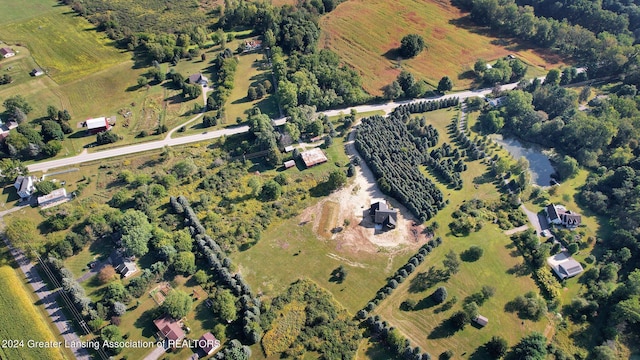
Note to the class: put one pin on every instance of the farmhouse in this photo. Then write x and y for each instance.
(564, 265)
(169, 328)
(25, 186)
(198, 79)
(313, 157)
(7, 52)
(481, 320)
(382, 215)
(208, 343)
(36, 72)
(53, 198)
(559, 215)
(97, 125)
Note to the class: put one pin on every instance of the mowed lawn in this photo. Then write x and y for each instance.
(64, 44)
(365, 34)
(495, 268)
(290, 250)
(18, 10)
(21, 320)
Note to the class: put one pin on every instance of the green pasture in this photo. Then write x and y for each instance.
(16, 11)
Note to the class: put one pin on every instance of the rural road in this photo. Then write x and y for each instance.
(159, 144)
(48, 300)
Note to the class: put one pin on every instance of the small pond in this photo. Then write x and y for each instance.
(539, 164)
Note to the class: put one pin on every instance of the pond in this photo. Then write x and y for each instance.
(539, 164)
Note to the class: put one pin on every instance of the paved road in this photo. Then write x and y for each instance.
(159, 144)
(535, 220)
(48, 299)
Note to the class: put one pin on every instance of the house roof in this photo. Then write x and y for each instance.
(571, 218)
(481, 320)
(195, 78)
(208, 342)
(564, 265)
(313, 157)
(289, 164)
(169, 328)
(382, 214)
(97, 123)
(55, 194)
(121, 265)
(552, 212)
(6, 50)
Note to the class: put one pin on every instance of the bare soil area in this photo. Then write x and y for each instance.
(343, 216)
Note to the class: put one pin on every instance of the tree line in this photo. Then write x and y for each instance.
(605, 46)
(379, 141)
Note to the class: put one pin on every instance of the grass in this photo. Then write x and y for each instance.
(15, 11)
(290, 250)
(365, 34)
(21, 319)
(496, 268)
(249, 74)
(424, 327)
(65, 45)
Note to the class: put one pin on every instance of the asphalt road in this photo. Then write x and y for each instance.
(209, 135)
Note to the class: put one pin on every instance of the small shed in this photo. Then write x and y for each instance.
(288, 148)
(289, 164)
(481, 320)
(36, 72)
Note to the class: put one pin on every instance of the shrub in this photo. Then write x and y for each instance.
(107, 274)
(440, 295)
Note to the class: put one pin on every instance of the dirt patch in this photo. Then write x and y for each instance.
(343, 217)
(327, 222)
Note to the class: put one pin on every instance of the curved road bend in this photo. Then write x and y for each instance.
(159, 144)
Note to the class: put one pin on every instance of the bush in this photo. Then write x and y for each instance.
(411, 45)
(107, 274)
(474, 253)
(440, 295)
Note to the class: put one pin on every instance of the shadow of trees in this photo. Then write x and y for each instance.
(425, 280)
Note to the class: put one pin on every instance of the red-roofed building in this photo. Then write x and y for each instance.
(6, 52)
(169, 328)
(97, 125)
(208, 343)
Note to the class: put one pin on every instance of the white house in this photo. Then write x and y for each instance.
(559, 215)
(25, 186)
(564, 265)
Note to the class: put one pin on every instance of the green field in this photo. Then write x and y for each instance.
(365, 34)
(20, 319)
(14, 11)
(494, 268)
(65, 45)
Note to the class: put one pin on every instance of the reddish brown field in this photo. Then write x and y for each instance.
(366, 33)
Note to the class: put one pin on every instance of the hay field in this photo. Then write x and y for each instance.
(15, 10)
(64, 44)
(365, 34)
